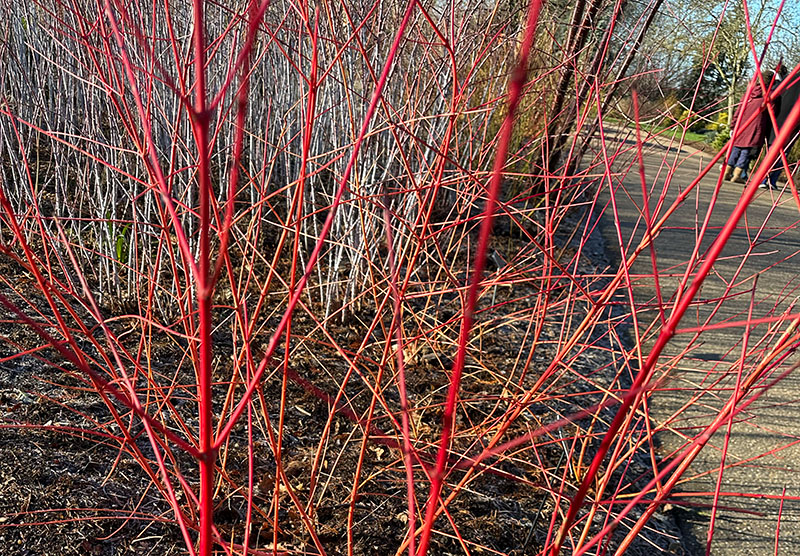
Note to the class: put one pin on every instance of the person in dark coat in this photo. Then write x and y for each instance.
(781, 107)
(749, 140)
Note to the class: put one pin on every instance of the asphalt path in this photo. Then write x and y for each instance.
(758, 274)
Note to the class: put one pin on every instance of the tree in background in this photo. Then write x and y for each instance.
(704, 56)
(731, 53)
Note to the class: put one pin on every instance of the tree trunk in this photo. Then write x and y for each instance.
(731, 103)
(615, 83)
(574, 48)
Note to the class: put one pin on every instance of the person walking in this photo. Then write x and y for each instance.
(782, 105)
(749, 140)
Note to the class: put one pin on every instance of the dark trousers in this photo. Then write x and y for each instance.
(740, 157)
(777, 167)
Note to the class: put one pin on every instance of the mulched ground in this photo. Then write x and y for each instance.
(64, 491)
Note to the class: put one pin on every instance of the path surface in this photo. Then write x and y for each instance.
(766, 244)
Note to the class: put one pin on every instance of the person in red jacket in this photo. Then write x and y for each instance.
(750, 138)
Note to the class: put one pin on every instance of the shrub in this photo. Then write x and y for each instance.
(304, 269)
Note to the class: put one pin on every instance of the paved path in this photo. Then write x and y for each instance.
(766, 244)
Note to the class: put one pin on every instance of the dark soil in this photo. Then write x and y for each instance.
(66, 490)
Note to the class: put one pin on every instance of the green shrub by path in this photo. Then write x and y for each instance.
(721, 139)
